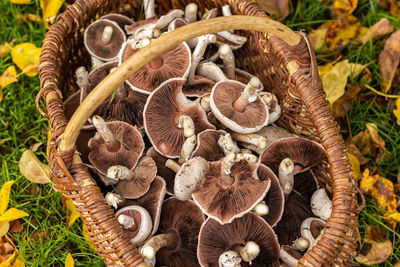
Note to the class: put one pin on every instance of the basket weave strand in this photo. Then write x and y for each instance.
(304, 110)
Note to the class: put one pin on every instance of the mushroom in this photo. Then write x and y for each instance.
(321, 205)
(207, 145)
(274, 109)
(114, 199)
(179, 226)
(247, 236)
(174, 63)
(229, 258)
(136, 183)
(211, 71)
(136, 222)
(290, 256)
(115, 143)
(103, 39)
(169, 118)
(205, 103)
(254, 139)
(214, 121)
(120, 19)
(230, 190)
(212, 13)
(311, 228)
(166, 173)
(152, 201)
(226, 54)
(175, 24)
(190, 177)
(227, 144)
(238, 107)
(191, 12)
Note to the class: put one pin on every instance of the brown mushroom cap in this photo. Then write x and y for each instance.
(161, 113)
(152, 201)
(207, 145)
(166, 173)
(215, 239)
(253, 117)
(185, 219)
(142, 223)
(274, 199)
(94, 45)
(297, 208)
(127, 154)
(144, 173)
(227, 199)
(131, 29)
(201, 87)
(174, 63)
(120, 19)
(304, 153)
(214, 121)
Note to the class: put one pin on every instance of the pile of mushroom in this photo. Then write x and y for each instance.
(187, 153)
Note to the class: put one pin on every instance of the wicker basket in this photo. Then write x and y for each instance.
(282, 59)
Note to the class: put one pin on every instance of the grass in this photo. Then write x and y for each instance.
(45, 240)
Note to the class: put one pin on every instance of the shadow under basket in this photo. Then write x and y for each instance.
(281, 58)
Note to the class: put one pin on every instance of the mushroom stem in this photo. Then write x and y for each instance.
(226, 10)
(321, 205)
(234, 38)
(212, 13)
(254, 139)
(249, 157)
(288, 259)
(211, 71)
(227, 144)
(147, 33)
(198, 54)
(229, 259)
(166, 19)
(173, 165)
(226, 166)
(250, 251)
(82, 79)
(186, 123)
(187, 148)
(271, 101)
(96, 62)
(286, 176)
(149, 8)
(150, 248)
(301, 243)
(228, 59)
(191, 12)
(107, 34)
(122, 92)
(261, 209)
(119, 172)
(205, 103)
(248, 95)
(113, 199)
(126, 221)
(105, 133)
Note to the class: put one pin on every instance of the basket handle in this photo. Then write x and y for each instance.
(156, 48)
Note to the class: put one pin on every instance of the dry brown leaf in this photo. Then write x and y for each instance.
(278, 8)
(389, 60)
(342, 31)
(35, 147)
(34, 170)
(343, 105)
(317, 36)
(379, 29)
(375, 137)
(352, 148)
(392, 5)
(376, 247)
(369, 142)
(22, 18)
(343, 7)
(6, 48)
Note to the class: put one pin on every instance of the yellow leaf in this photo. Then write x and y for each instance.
(12, 214)
(25, 17)
(26, 54)
(317, 36)
(18, 263)
(8, 77)
(34, 170)
(6, 48)
(21, 2)
(5, 196)
(376, 247)
(355, 165)
(69, 261)
(50, 9)
(72, 214)
(396, 111)
(87, 237)
(4, 227)
(373, 132)
(342, 7)
(342, 31)
(11, 260)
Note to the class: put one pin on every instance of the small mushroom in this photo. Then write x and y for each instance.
(228, 144)
(229, 258)
(191, 12)
(166, 173)
(301, 243)
(190, 177)
(120, 19)
(136, 221)
(254, 139)
(169, 118)
(136, 183)
(274, 109)
(179, 229)
(207, 145)
(143, 29)
(311, 228)
(211, 71)
(230, 190)
(238, 107)
(226, 54)
(103, 39)
(114, 199)
(321, 205)
(290, 256)
(249, 236)
(115, 143)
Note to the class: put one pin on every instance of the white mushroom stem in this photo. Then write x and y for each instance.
(321, 205)
(249, 94)
(205, 103)
(107, 34)
(301, 243)
(198, 54)
(268, 99)
(249, 157)
(191, 12)
(186, 123)
(173, 25)
(288, 259)
(226, 11)
(212, 13)
(228, 59)
(234, 38)
(211, 71)
(305, 228)
(172, 165)
(105, 133)
(212, 58)
(227, 144)
(147, 33)
(96, 62)
(149, 8)
(113, 199)
(166, 19)
(254, 139)
(82, 79)
(286, 176)
(119, 172)
(261, 209)
(250, 251)
(126, 221)
(229, 258)
(187, 148)
(246, 151)
(152, 245)
(227, 163)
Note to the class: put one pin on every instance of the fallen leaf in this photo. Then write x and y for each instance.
(389, 60)
(22, 18)
(397, 265)
(24, 55)
(5, 196)
(4, 227)
(376, 247)
(9, 76)
(6, 48)
(343, 7)
(352, 148)
(35, 146)
(21, 2)
(369, 142)
(12, 214)
(379, 29)
(72, 214)
(39, 236)
(355, 165)
(15, 226)
(396, 111)
(343, 105)
(279, 8)
(392, 5)
(342, 31)
(375, 137)
(50, 10)
(69, 261)
(317, 36)
(34, 170)
(86, 236)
